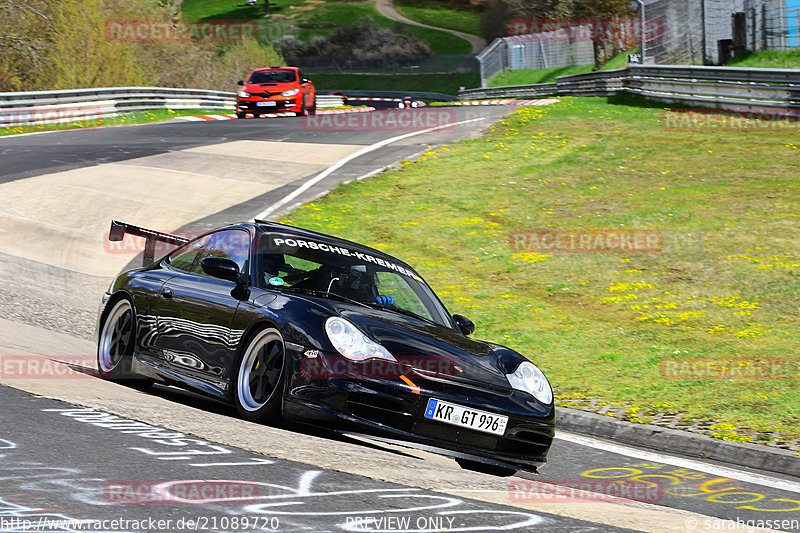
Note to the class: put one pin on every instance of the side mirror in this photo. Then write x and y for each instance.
(304, 80)
(220, 267)
(240, 82)
(466, 325)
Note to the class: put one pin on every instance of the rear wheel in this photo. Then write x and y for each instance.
(259, 382)
(241, 115)
(116, 344)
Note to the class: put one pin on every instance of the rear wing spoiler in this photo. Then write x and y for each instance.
(120, 229)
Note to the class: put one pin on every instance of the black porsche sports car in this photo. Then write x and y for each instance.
(283, 321)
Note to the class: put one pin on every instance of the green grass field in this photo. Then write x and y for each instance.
(607, 327)
(230, 10)
(440, 14)
(549, 75)
(768, 59)
(529, 77)
(319, 18)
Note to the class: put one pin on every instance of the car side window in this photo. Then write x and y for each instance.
(229, 244)
(188, 257)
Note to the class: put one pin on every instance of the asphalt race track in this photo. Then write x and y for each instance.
(78, 453)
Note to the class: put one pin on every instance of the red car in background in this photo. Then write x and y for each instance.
(276, 89)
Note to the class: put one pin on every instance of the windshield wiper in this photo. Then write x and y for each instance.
(326, 294)
(404, 311)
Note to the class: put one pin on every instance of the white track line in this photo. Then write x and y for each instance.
(336, 166)
(740, 475)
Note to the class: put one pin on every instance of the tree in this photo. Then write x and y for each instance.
(82, 56)
(606, 16)
(24, 47)
(499, 14)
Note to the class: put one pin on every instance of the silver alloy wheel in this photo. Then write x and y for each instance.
(115, 337)
(261, 370)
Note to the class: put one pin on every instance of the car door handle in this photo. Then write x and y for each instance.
(167, 293)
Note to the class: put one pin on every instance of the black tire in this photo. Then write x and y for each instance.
(256, 115)
(241, 115)
(484, 468)
(303, 111)
(260, 375)
(116, 344)
(313, 109)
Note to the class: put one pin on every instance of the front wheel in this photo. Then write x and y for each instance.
(241, 115)
(115, 346)
(258, 389)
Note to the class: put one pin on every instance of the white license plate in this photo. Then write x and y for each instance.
(266, 104)
(467, 417)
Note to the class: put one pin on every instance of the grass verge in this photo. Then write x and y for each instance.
(138, 117)
(607, 327)
(549, 75)
(768, 59)
(529, 77)
(447, 84)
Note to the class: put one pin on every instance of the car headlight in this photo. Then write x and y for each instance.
(351, 343)
(290, 92)
(243, 94)
(527, 377)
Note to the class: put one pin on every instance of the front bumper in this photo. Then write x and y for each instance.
(255, 104)
(390, 408)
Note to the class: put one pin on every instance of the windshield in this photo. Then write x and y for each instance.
(304, 265)
(273, 76)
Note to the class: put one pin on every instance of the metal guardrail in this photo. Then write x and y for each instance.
(51, 107)
(720, 87)
(47, 107)
(420, 95)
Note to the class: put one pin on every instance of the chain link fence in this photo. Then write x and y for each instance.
(563, 48)
(713, 31)
(676, 32)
